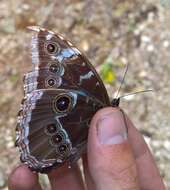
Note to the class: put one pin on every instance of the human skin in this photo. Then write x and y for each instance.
(117, 159)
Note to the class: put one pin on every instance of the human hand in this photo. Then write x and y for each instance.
(116, 159)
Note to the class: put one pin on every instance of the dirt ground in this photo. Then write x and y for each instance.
(111, 33)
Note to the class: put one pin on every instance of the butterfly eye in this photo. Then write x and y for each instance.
(54, 68)
(62, 103)
(63, 149)
(51, 48)
(57, 138)
(50, 82)
(51, 129)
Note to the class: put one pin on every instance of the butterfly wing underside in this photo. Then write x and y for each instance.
(61, 94)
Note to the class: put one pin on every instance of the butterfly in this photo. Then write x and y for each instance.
(61, 94)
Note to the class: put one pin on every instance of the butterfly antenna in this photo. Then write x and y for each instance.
(133, 93)
(126, 69)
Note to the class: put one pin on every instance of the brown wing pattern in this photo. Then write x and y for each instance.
(61, 94)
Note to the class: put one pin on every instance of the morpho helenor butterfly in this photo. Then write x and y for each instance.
(61, 94)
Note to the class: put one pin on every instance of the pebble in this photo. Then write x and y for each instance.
(124, 60)
(166, 44)
(143, 74)
(2, 179)
(10, 144)
(151, 17)
(150, 48)
(145, 39)
(84, 45)
(167, 145)
(25, 7)
(156, 144)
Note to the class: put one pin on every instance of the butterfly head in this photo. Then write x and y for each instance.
(115, 102)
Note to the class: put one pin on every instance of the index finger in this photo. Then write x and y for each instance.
(149, 177)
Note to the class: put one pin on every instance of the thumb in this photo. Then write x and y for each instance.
(110, 159)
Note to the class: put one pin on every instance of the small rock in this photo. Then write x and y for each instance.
(124, 60)
(145, 39)
(167, 145)
(2, 179)
(166, 43)
(150, 48)
(10, 144)
(142, 74)
(84, 45)
(26, 6)
(156, 144)
(151, 17)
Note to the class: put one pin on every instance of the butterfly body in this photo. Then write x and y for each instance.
(61, 94)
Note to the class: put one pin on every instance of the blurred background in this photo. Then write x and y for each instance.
(111, 33)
